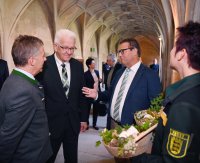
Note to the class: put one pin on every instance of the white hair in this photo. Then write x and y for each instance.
(64, 33)
(112, 57)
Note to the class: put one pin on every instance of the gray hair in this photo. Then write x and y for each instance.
(24, 47)
(64, 33)
(112, 56)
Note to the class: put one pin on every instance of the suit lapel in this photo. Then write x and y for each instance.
(55, 73)
(90, 76)
(116, 80)
(136, 79)
(73, 80)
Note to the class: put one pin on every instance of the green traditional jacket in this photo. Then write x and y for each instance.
(178, 140)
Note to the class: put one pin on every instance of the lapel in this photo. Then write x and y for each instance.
(115, 81)
(97, 74)
(55, 73)
(73, 78)
(90, 76)
(136, 79)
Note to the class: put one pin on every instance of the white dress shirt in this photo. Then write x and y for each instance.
(67, 66)
(131, 76)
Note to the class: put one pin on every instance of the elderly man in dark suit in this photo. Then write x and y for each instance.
(24, 133)
(133, 87)
(4, 73)
(63, 78)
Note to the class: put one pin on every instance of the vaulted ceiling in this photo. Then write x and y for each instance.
(122, 17)
(127, 17)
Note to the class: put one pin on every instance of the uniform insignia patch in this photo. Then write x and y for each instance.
(177, 143)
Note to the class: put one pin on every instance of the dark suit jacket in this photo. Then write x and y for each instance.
(155, 67)
(144, 87)
(24, 133)
(105, 70)
(89, 80)
(58, 107)
(3, 72)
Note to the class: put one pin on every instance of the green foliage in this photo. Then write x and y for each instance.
(119, 129)
(143, 127)
(98, 143)
(127, 126)
(156, 103)
(107, 136)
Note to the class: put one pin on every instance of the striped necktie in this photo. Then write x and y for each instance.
(120, 95)
(65, 80)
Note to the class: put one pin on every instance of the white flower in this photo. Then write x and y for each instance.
(105, 129)
(131, 131)
(148, 116)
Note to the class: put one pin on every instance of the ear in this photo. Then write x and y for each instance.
(182, 54)
(55, 47)
(31, 61)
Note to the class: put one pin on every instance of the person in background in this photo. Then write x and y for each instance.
(155, 65)
(177, 137)
(4, 73)
(63, 78)
(105, 71)
(24, 133)
(114, 67)
(131, 90)
(92, 80)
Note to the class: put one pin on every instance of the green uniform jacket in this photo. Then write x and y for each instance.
(178, 141)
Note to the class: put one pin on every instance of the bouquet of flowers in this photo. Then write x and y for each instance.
(132, 140)
(147, 118)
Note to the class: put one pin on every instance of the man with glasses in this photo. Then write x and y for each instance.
(132, 89)
(63, 78)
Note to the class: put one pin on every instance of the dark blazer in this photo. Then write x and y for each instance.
(58, 107)
(4, 73)
(144, 87)
(24, 133)
(105, 72)
(89, 80)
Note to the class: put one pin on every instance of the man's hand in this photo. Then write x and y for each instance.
(83, 126)
(92, 93)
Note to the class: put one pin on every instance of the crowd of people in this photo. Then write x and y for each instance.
(45, 102)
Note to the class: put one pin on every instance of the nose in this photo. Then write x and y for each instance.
(67, 51)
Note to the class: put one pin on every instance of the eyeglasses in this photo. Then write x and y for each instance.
(67, 48)
(123, 50)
